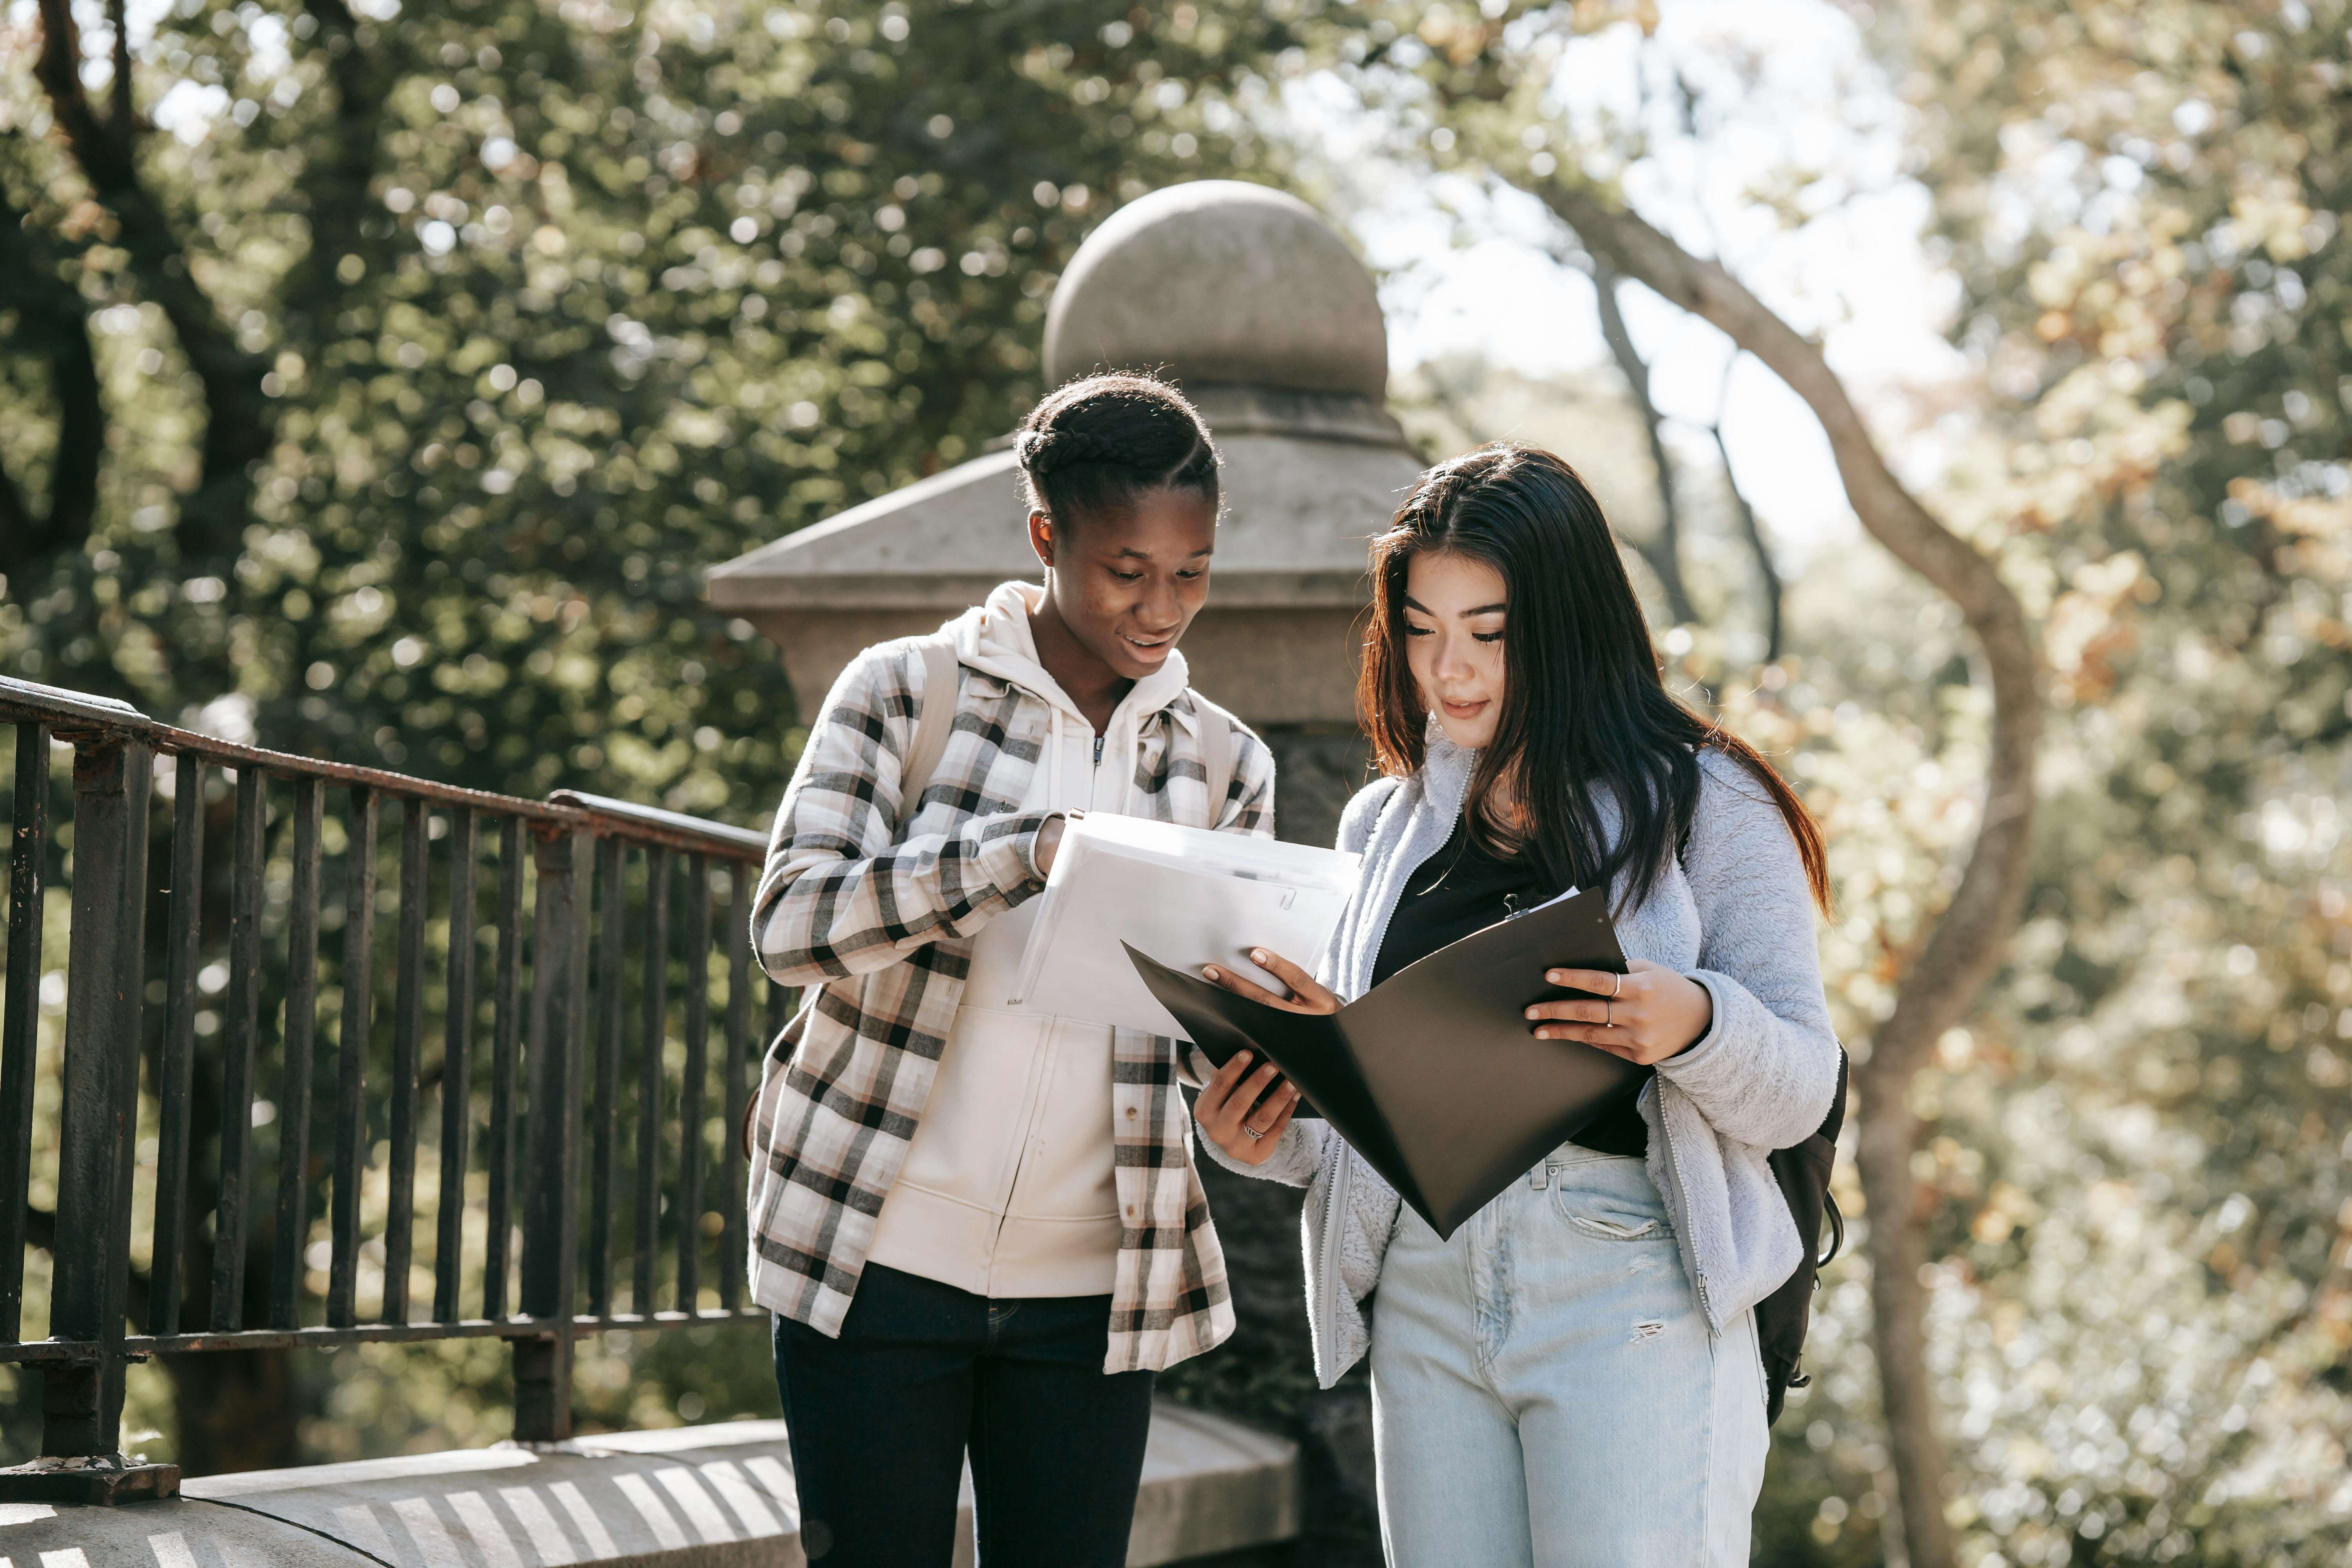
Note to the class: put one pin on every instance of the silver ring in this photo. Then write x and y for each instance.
(1608, 1013)
(1249, 1132)
(1616, 984)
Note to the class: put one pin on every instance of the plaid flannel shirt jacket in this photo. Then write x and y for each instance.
(881, 922)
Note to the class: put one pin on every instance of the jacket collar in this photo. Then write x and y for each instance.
(1446, 771)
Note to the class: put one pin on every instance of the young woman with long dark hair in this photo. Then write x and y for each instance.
(1574, 1378)
(979, 1229)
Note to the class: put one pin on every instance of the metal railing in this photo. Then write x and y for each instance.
(590, 1125)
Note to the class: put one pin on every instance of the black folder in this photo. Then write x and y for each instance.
(1435, 1075)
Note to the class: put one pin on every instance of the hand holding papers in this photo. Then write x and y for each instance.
(1193, 896)
(1434, 1075)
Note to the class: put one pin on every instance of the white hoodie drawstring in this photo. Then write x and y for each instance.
(1053, 758)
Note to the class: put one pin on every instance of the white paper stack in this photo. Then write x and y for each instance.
(1186, 897)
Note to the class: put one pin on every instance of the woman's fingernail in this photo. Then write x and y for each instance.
(1533, 1014)
(1258, 955)
(1210, 970)
(1556, 977)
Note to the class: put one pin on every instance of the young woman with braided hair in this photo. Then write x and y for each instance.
(982, 1229)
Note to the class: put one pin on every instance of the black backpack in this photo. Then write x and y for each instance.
(1781, 1317)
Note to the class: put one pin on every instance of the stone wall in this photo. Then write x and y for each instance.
(1317, 768)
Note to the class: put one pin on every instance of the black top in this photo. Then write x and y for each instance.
(1466, 887)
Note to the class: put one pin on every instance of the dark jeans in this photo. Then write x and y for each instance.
(881, 1416)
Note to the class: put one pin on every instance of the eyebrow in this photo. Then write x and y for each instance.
(1132, 552)
(1413, 603)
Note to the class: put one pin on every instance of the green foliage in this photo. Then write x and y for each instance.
(627, 294)
(2142, 204)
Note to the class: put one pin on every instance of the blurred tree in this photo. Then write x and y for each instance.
(2143, 205)
(2129, 1185)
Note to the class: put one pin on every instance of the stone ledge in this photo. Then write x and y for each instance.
(696, 1497)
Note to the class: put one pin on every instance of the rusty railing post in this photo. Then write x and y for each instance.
(550, 1172)
(81, 1400)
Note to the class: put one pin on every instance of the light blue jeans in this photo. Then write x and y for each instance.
(1545, 1393)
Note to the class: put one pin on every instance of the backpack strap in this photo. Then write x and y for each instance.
(1217, 728)
(942, 679)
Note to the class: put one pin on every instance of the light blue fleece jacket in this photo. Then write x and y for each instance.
(1733, 914)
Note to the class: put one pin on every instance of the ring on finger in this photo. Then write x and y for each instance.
(1608, 1013)
(1616, 984)
(1251, 1132)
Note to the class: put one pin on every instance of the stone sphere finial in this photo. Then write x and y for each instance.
(1221, 283)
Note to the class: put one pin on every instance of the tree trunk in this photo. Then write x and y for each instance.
(1960, 954)
(341, 168)
(1896, 1243)
(53, 323)
(237, 1411)
(239, 418)
(232, 1410)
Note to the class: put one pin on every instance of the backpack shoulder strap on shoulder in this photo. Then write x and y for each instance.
(1217, 728)
(942, 681)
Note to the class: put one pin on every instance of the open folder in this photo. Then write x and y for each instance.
(1192, 896)
(1435, 1075)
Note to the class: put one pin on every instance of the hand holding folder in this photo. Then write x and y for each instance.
(1435, 1075)
(1192, 896)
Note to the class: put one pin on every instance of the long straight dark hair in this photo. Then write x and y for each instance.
(1585, 711)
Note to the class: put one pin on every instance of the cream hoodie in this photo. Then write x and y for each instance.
(1007, 1189)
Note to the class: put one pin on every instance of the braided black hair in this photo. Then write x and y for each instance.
(1096, 444)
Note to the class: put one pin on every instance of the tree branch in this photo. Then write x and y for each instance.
(239, 417)
(1767, 575)
(343, 164)
(1663, 550)
(53, 321)
(81, 431)
(1965, 947)
(125, 111)
(16, 522)
(1766, 572)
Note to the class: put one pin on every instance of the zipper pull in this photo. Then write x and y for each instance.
(1099, 745)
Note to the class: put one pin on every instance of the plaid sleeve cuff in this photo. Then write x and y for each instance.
(1008, 852)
